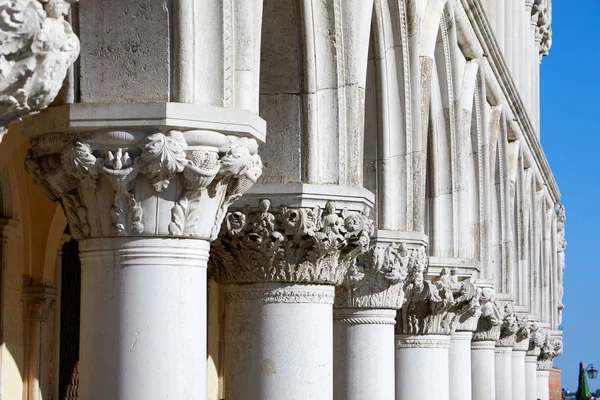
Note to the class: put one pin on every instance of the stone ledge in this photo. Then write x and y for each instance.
(81, 117)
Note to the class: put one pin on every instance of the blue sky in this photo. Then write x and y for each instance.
(570, 112)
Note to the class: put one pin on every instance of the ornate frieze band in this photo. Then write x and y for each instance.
(296, 245)
(279, 296)
(195, 174)
(422, 343)
(37, 47)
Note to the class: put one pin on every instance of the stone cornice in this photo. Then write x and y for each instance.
(141, 116)
(476, 14)
(37, 46)
(290, 244)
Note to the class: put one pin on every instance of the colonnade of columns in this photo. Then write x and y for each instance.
(155, 172)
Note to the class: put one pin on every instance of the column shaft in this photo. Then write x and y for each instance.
(460, 366)
(279, 342)
(143, 319)
(422, 370)
(531, 377)
(483, 370)
(503, 363)
(543, 385)
(518, 375)
(363, 354)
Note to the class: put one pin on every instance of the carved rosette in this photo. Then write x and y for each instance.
(509, 326)
(537, 339)
(129, 183)
(490, 319)
(376, 280)
(435, 308)
(37, 47)
(551, 349)
(294, 245)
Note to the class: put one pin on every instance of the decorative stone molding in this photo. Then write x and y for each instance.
(551, 349)
(278, 296)
(354, 316)
(490, 319)
(537, 339)
(37, 47)
(111, 183)
(377, 279)
(541, 18)
(421, 343)
(435, 308)
(562, 245)
(509, 326)
(299, 245)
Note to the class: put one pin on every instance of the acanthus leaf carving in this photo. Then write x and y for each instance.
(552, 348)
(300, 245)
(429, 308)
(83, 172)
(537, 339)
(37, 46)
(376, 280)
(163, 158)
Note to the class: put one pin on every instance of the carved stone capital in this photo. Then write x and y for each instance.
(38, 301)
(296, 245)
(551, 349)
(490, 319)
(509, 326)
(523, 335)
(377, 279)
(144, 182)
(537, 339)
(435, 308)
(37, 47)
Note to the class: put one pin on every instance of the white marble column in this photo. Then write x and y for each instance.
(140, 203)
(483, 346)
(518, 375)
(279, 342)
(503, 366)
(531, 377)
(143, 318)
(460, 365)
(543, 385)
(363, 354)
(279, 296)
(424, 333)
(38, 303)
(483, 376)
(365, 311)
(431, 379)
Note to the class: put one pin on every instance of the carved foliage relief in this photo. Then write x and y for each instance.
(377, 279)
(37, 46)
(298, 245)
(436, 308)
(140, 174)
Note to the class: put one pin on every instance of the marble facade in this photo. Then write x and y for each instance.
(277, 199)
